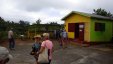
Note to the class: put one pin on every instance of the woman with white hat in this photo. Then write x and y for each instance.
(36, 47)
(47, 44)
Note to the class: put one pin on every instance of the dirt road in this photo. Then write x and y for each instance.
(98, 54)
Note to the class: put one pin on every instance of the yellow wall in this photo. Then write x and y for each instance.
(87, 32)
(75, 18)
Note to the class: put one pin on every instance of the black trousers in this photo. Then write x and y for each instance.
(11, 43)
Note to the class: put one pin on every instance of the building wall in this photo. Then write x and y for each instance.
(100, 36)
(75, 18)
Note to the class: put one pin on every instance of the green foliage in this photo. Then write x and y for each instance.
(19, 28)
(53, 23)
(45, 27)
(38, 21)
(3, 35)
(22, 27)
(102, 12)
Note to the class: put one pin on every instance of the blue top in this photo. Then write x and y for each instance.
(36, 47)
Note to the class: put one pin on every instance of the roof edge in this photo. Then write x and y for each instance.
(87, 15)
(67, 15)
(74, 12)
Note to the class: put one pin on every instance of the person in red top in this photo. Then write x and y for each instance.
(48, 44)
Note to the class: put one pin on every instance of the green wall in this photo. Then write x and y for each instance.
(100, 36)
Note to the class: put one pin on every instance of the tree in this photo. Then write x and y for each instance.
(1, 19)
(38, 21)
(22, 26)
(53, 23)
(102, 12)
(3, 25)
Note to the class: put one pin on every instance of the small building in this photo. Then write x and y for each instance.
(88, 27)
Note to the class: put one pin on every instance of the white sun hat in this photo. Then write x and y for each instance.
(37, 36)
(46, 34)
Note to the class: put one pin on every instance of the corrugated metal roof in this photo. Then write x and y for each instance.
(88, 15)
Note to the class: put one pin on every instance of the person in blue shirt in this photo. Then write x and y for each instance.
(64, 36)
(36, 47)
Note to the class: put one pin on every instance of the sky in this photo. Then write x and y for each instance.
(48, 10)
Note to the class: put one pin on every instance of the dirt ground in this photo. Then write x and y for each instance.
(97, 54)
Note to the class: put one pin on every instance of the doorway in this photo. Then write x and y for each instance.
(76, 30)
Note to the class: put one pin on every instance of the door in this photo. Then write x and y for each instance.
(81, 31)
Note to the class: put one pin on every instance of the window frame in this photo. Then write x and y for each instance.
(71, 27)
(99, 26)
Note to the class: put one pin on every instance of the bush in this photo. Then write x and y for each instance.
(111, 41)
(3, 35)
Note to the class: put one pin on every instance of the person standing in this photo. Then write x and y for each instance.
(36, 47)
(47, 44)
(59, 37)
(11, 39)
(55, 32)
(64, 38)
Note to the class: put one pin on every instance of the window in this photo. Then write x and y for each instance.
(99, 26)
(71, 27)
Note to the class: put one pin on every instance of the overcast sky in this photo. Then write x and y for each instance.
(48, 10)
